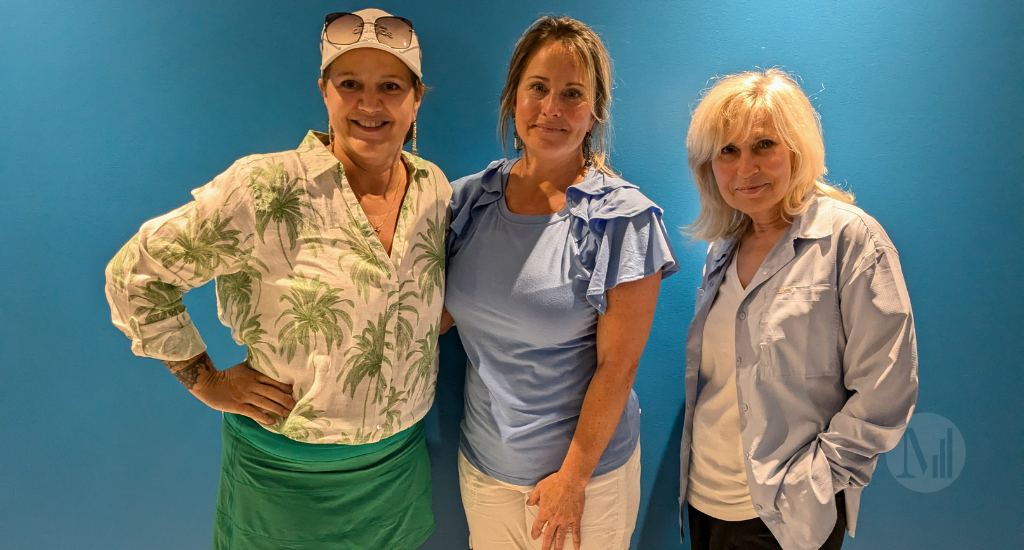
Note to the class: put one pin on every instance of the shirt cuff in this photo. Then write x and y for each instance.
(838, 484)
(173, 339)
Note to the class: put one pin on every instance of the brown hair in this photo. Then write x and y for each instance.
(586, 46)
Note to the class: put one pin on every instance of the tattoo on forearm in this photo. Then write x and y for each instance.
(187, 372)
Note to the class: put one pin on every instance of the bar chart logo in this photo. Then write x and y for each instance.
(930, 455)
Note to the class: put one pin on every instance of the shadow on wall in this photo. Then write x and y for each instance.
(660, 524)
(442, 432)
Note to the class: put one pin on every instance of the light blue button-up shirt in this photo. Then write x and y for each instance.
(826, 367)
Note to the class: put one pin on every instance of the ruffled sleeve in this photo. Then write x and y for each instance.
(620, 237)
(470, 196)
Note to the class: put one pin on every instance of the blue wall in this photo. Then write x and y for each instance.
(111, 111)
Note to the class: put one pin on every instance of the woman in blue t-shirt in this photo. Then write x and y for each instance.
(554, 269)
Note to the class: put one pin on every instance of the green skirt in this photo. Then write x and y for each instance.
(276, 493)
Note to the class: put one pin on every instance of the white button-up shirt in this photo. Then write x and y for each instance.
(826, 367)
(304, 283)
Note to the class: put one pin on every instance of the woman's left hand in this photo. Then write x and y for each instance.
(561, 499)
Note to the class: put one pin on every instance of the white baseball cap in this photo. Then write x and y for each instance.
(409, 52)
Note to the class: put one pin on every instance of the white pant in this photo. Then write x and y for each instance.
(499, 518)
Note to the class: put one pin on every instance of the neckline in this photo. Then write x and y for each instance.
(732, 275)
(525, 219)
(391, 258)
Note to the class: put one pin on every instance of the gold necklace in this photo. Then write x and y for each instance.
(377, 228)
(359, 197)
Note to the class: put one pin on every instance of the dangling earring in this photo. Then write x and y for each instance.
(586, 149)
(414, 150)
(516, 142)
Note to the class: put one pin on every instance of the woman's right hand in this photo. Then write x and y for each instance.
(242, 390)
(239, 389)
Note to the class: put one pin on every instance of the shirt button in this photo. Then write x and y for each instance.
(743, 316)
(739, 361)
(393, 307)
(379, 427)
(764, 272)
(744, 407)
(758, 507)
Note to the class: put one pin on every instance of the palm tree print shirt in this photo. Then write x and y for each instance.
(304, 283)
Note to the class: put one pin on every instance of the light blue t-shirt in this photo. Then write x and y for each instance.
(526, 292)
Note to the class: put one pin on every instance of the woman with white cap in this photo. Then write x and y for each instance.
(329, 266)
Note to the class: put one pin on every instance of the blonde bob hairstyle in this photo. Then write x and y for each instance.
(588, 50)
(727, 112)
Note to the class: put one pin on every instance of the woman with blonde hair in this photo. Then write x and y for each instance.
(554, 269)
(801, 362)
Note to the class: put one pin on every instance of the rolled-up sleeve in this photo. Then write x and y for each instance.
(879, 368)
(170, 255)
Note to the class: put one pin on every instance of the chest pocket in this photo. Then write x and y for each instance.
(799, 335)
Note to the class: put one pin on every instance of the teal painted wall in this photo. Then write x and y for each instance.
(112, 111)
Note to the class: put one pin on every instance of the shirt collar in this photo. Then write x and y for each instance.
(720, 251)
(314, 154)
(815, 222)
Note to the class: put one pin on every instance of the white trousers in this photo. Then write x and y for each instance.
(499, 518)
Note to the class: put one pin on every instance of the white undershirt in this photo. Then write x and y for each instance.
(718, 478)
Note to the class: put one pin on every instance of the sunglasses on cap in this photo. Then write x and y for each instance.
(343, 29)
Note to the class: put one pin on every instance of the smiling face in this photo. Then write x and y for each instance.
(553, 112)
(371, 102)
(754, 171)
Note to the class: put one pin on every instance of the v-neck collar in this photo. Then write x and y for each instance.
(399, 241)
(732, 273)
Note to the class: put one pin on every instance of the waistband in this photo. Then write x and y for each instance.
(299, 451)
